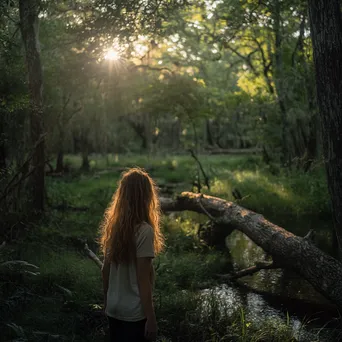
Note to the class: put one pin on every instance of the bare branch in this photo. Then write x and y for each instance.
(23, 170)
(266, 66)
(92, 256)
(205, 210)
(262, 265)
(310, 235)
(247, 58)
(206, 178)
(22, 178)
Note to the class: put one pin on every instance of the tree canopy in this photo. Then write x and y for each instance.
(132, 76)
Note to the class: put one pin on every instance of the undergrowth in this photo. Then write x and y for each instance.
(57, 295)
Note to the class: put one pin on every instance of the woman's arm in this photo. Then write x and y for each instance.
(144, 267)
(105, 280)
(153, 276)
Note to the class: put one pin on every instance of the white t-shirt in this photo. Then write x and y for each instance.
(123, 298)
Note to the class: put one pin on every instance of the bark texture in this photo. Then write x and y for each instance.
(279, 78)
(28, 10)
(288, 251)
(60, 161)
(326, 33)
(3, 154)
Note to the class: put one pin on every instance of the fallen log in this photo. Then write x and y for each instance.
(235, 151)
(288, 251)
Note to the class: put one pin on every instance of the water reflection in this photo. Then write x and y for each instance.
(284, 283)
(258, 309)
(271, 294)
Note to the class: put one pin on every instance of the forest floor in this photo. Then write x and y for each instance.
(62, 300)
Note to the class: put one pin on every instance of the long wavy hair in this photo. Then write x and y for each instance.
(134, 202)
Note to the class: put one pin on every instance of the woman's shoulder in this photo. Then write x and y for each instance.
(144, 228)
(144, 234)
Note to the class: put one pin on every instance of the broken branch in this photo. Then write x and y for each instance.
(92, 256)
(262, 265)
(206, 178)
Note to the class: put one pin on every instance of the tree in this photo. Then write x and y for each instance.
(28, 10)
(326, 33)
(269, 37)
(12, 89)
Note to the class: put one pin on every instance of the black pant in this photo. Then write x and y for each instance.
(123, 331)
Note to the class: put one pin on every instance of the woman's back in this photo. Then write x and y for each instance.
(123, 297)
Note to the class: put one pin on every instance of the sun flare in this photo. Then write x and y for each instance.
(112, 55)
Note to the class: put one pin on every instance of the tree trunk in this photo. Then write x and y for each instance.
(60, 161)
(210, 140)
(3, 154)
(309, 85)
(311, 148)
(3, 164)
(175, 134)
(326, 33)
(288, 251)
(85, 159)
(279, 80)
(147, 132)
(144, 143)
(60, 154)
(141, 132)
(196, 147)
(28, 10)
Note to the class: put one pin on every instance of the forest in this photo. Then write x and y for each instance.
(234, 107)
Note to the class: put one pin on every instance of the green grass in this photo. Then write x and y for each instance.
(295, 193)
(68, 287)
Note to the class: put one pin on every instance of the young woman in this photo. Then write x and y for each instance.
(130, 239)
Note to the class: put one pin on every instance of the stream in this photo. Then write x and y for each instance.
(271, 294)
